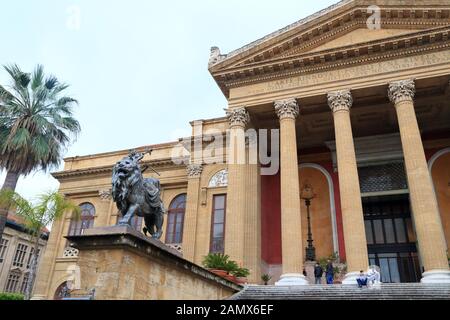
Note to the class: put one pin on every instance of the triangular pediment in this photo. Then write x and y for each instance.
(358, 36)
(340, 31)
(339, 25)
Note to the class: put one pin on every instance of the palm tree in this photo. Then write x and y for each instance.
(48, 208)
(36, 125)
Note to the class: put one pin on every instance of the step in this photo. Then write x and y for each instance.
(413, 291)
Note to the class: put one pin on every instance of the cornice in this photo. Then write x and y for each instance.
(347, 56)
(167, 162)
(278, 52)
(327, 21)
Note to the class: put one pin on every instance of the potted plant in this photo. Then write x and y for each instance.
(217, 263)
(266, 278)
(241, 275)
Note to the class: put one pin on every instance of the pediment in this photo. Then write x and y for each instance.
(360, 35)
(338, 32)
(342, 24)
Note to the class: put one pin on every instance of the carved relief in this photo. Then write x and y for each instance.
(105, 195)
(287, 108)
(340, 100)
(220, 179)
(238, 117)
(401, 90)
(194, 170)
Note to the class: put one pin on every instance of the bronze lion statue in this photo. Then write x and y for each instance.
(135, 195)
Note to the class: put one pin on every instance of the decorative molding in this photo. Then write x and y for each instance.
(70, 252)
(194, 170)
(403, 90)
(340, 100)
(373, 150)
(238, 117)
(432, 39)
(105, 195)
(220, 179)
(176, 246)
(287, 109)
(169, 162)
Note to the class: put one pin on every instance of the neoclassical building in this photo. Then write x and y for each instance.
(359, 96)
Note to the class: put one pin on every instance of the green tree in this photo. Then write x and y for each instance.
(48, 208)
(36, 125)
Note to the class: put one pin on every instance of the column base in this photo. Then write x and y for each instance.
(38, 297)
(350, 278)
(292, 279)
(436, 277)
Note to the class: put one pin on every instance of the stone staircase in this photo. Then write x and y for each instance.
(404, 291)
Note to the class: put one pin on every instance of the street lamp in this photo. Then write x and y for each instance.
(307, 194)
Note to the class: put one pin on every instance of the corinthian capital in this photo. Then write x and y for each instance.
(340, 100)
(194, 170)
(238, 117)
(287, 109)
(401, 90)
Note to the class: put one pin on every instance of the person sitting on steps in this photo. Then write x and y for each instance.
(362, 279)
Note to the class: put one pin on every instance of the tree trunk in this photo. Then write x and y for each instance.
(33, 269)
(10, 184)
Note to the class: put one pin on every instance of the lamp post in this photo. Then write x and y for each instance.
(307, 194)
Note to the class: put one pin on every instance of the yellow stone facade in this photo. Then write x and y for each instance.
(289, 80)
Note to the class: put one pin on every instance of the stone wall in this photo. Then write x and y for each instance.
(122, 264)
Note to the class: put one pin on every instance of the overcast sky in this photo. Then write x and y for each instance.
(138, 68)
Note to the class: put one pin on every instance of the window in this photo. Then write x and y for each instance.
(23, 286)
(13, 281)
(85, 221)
(20, 254)
(218, 224)
(175, 222)
(3, 249)
(30, 257)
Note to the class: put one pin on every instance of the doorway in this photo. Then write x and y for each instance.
(391, 239)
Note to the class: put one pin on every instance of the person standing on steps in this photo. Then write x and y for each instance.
(330, 272)
(318, 273)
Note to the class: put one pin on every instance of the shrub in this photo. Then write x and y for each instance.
(216, 261)
(266, 278)
(11, 296)
(241, 272)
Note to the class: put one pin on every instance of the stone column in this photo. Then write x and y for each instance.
(430, 237)
(291, 229)
(340, 103)
(252, 257)
(194, 172)
(236, 194)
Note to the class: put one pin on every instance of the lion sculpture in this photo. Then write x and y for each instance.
(135, 195)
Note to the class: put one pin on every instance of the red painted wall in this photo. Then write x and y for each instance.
(271, 219)
(271, 216)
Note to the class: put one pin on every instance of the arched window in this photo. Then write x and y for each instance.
(220, 179)
(85, 221)
(175, 222)
(62, 291)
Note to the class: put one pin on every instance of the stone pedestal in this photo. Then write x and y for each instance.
(122, 264)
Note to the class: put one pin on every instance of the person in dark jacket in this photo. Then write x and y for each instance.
(330, 272)
(318, 273)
